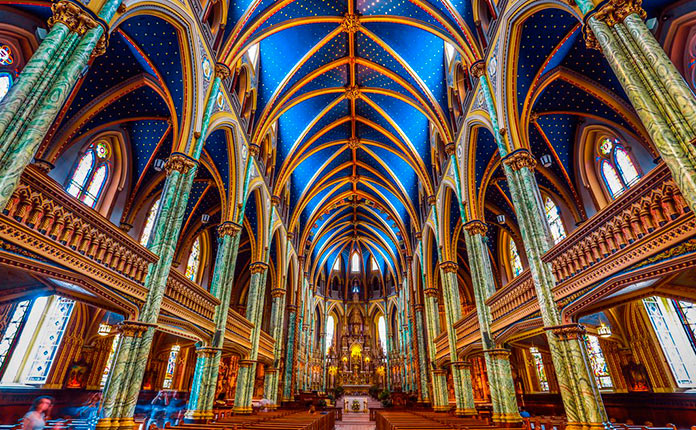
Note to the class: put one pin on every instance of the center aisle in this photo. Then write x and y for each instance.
(358, 420)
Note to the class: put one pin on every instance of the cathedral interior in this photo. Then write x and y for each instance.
(480, 212)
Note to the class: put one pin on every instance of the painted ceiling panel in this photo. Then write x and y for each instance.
(216, 145)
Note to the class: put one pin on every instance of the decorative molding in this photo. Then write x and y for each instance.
(258, 267)
(519, 159)
(475, 227)
(179, 162)
(229, 228)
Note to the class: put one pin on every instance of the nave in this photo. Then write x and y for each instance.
(317, 214)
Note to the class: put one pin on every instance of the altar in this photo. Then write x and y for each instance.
(357, 404)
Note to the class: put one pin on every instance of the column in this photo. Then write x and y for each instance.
(662, 99)
(118, 411)
(581, 398)
(30, 109)
(290, 353)
(424, 392)
(463, 390)
(277, 316)
(200, 406)
(247, 367)
(440, 402)
(501, 384)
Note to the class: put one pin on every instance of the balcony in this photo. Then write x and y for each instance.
(649, 218)
(188, 300)
(238, 330)
(42, 218)
(266, 347)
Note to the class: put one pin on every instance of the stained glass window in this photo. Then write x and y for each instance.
(149, 223)
(12, 329)
(616, 166)
(337, 264)
(5, 84)
(541, 372)
(515, 260)
(330, 325)
(628, 170)
(194, 260)
(687, 314)
(47, 344)
(91, 174)
(109, 361)
(553, 216)
(597, 362)
(355, 263)
(6, 57)
(382, 330)
(673, 340)
(373, 264)
(171, 366)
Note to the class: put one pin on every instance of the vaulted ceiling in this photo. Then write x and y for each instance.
(356, 90)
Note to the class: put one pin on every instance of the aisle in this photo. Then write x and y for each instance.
(355, 421)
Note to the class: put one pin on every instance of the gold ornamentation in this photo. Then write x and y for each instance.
(351, 22)
(590, 39)
(615, 11)
(354, 142)
(449, 266)
(129, 328)
(478, 69)
(275, 201)
(222, 71)
(431, 200)
(229, 228)
(499, 353)
(475, 227)
(277, 293)
(207, 351)
(430, 292)
(520, 159)
(254, 149)
(450, 148)
(353, 92)
(258, 267)
(567, 331)
(72, 16)
(418, 307)
(179, 162)
(291, 308)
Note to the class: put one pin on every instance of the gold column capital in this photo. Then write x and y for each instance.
(229, 228)
(478, 69)
(520, 159)
(72, 16)
(615, 11)
(179, 162)
(567, 331)
(131, 328)
(430, 292)
(449, 267)
(207, 351)
(277, 293)
(498, 352)
(475, 227)
(222, 71)
(258, 267)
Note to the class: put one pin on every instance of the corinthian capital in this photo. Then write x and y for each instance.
(475, 227)
(229, 228)
(519, 159)
(72, 16)
(615, 11)
(179, 162)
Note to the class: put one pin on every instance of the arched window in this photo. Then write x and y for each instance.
(597, 362)
(382, 331)
(553, 216)
(337, 264)
(617, 168)
(149, 223)
(515, 260)
(5, 84)
(91, 174)
(373, 265)
(194, 260)
(667, 318)
(541, 372)
(171, 366)
(330, 326)
(43, 322)
(355, 263)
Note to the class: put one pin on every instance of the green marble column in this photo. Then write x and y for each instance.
(27, 134)
(272, 373)
(463, 390)
(290, 353)
(118, 411)
(660, 96)
(505, 409)
(255, 303)
(581, 398)
(424, 392)
(440, 402)
(200, 407)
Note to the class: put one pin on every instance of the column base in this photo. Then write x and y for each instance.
(466, 412)
(587, 426)
(115, 423)
(509, 420)
(198, 417)
(441, 408)
(242, 410)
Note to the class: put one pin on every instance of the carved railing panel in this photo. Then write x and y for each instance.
(518, 294)
(649, 217)
(266, 346)
(238, 329)
(42, 217)
(181, 292)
